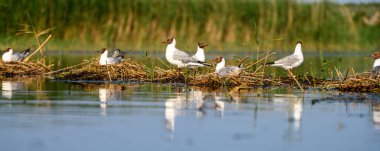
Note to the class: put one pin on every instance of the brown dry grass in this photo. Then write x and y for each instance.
(20, 69)
(129, 70)
(364, 82)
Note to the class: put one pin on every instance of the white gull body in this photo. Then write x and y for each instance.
(222, 70)
(179, 58)
(9, 55)
(291, 61)
(115, 59)
(200, 54)
(376, 66)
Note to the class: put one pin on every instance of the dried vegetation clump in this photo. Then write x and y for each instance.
(359, 83)
(127, 70)
(21, 69)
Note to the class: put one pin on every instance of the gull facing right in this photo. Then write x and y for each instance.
(291, 61)
(200, 54)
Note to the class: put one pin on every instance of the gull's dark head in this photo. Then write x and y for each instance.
(375, 55)
(102, 50)
(299, 42)
(168, 41)
(202, 45)
(6, 50)
(217, 59)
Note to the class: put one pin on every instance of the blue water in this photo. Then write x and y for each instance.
(38, 114)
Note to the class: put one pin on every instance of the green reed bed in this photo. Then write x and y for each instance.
(224, 24)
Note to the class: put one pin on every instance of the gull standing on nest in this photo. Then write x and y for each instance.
(291, 61)
(222, 71)
(179, 58)
(9, 55)
(116, 57)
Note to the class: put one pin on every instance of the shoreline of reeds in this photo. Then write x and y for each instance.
(264, 24)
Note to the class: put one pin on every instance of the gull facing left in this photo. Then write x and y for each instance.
(114, 59)
(222, 71)
(9, 55)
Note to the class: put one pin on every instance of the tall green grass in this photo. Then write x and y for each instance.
(223, 24)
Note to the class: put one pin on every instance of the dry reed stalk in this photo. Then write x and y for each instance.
(108, 71)
(345, 77)
(40, 47)
(67, 68)
(262, 59)
(307, 79)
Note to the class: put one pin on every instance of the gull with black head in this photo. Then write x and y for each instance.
(221, 69)
(376, 64)
(291, 61)
(179, 58)
(9, 55)
(200, 54)
(116, 58)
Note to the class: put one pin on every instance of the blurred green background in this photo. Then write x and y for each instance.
(226, 25)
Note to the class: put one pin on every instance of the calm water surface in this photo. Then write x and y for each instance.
(37, 114)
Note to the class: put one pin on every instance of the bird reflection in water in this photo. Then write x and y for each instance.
(294, 107)
(219, 104)
(376, 115)
(7, 88)
(172, 109)
(109, 93)
(189, 101)
(197, 97)
(295, 112)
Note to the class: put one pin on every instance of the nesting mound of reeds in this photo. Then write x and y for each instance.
(126, 70)
(359, 83)
(129, 70)
(21, 69)
(250, 79)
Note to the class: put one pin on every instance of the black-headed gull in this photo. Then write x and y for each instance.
(291, 61)
(222, 71)
(114, 59)
(200, 54)
(376, 64)
(179, 58)
(9, 55)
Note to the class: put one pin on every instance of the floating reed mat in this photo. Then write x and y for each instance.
(358, 83)
(129, 70)
(22, 69)
(126, 70)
